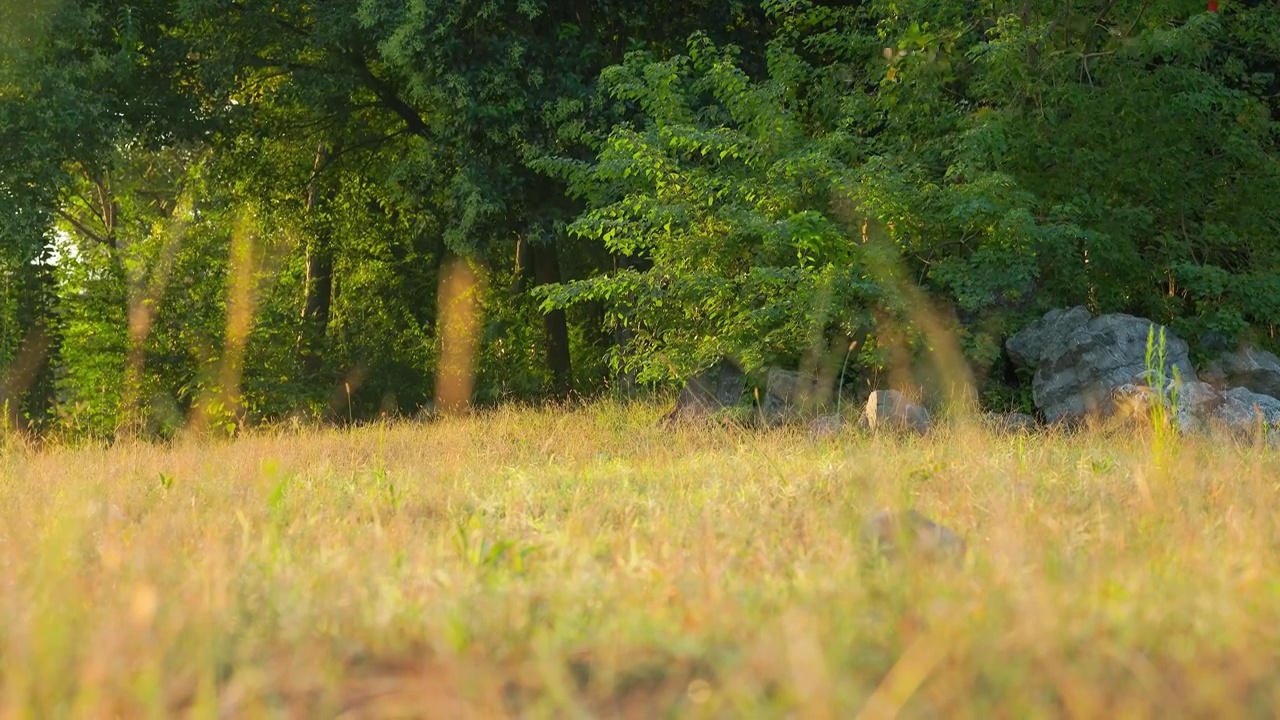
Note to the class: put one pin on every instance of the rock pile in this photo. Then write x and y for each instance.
(1084, 366)
(1112, 365)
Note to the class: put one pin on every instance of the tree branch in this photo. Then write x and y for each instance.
(362, 145)
(84, 229)
(1097, 23)
(1138, 19)
(390, 99)
(90, 206)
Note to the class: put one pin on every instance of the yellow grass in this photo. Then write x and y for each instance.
(587, 564)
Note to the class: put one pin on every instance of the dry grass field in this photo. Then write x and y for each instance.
(583, 563)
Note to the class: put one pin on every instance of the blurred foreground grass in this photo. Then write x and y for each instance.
(586, 564)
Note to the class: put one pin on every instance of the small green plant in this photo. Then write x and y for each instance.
(1165, 389)
(166, 481)
(392, 494)
(480, 551)
(221, 418)
(6, 427)
(276, 498)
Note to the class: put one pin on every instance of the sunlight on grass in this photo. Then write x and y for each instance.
(554, 564)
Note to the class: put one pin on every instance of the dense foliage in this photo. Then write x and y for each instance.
(221, 212)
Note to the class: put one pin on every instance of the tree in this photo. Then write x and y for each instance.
(239, 211)
(77, 85)
(1012, 161)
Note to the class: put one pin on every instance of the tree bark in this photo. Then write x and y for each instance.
(319, 279)
(622, 335)
(319, 289)
(546, 270)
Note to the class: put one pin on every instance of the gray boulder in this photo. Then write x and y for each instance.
(910, 534)
(1243, 410)
(1199, 397)
(1029, 347)
(891, 410)
(1076, 376)
(1011, 422)
(1256, 370)
(792, 389)
(720, 386)
(825, 427)
(1197, 401)
(1192, 403)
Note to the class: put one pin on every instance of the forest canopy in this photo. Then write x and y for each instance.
(224, 212)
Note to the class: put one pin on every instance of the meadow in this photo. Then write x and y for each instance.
(584, 563)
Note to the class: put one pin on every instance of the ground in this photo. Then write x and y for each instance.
(585, 563)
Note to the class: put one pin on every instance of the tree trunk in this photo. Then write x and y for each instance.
(319, 278)
(524, 266)
(29, 380)
(622, 335)
(319, 289)
(546, 270)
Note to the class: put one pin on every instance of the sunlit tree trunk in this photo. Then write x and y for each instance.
(319, 269)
